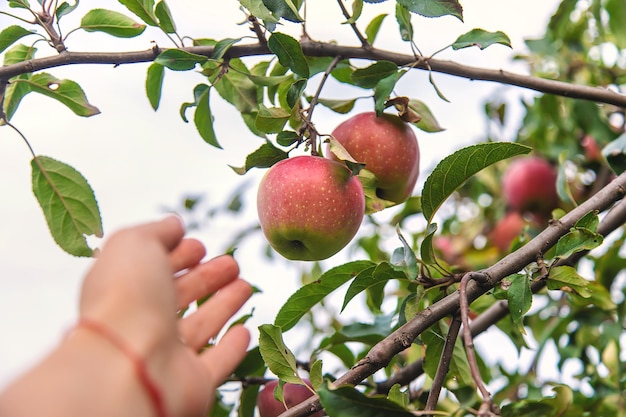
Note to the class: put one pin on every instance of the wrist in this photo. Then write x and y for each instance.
(84, 375)
(135, 372)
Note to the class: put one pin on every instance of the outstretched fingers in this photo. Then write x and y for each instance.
(224, 357)
(200, 327)
(187, 254)
(205, 279)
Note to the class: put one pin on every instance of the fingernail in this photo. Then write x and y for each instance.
(178, 218)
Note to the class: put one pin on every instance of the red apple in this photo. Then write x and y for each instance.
(388, 148)
(310, 207)
(506, 230)
(529, 184)
(592, 149)
(293, 394)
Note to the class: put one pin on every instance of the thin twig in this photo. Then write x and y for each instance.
(364, 43)
(313, 103)
(258, 30)
(469, 342)
(444, 364)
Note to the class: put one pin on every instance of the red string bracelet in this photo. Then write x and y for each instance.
(156, 397)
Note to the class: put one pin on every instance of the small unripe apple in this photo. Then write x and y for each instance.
(529, 184)
(310, 207)
(388, 148)
(293, 394)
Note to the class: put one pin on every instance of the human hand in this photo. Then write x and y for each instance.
(142, 277)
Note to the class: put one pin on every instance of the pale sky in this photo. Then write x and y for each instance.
(139, 161)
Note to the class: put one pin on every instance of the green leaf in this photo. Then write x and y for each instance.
(346, 401)
(566, 278)
(16, 90)
(372, 29)
(615, 154)
(370, 76)
(258, 9)
(14, 94)
(315, 374)
(198, 90)
(434, 8)
(455, 169)
(295, 92)
(268, 81)
(404, 259)
(247, 400)
(11, 34)
(357, 8)
(576, 240)
(563, 188)
(617, 17)
(19, 53)
(373, 203)
(65, 8)
(68, 204)
(403, 17)
(481, 38)
(342, 352)
(289, 53)
(271, 120)
(154, 84)
(203, 119)
(427, 252)
(286, 9)
(264, 157)
(252, 364)
(338, 106)
(287, 138)
(223, 46)
(144, 9)
(383, 90)
(236, 88)
(307, 296)
(589, 221)
(432, 82)
(402, 398)
(371, 277)
(459, 368)
(66, 91)
(19, 4)
(179, 60)
(519, 296)
(166, 21)
(112, 23)
(278, 357)
(366, 333)
(427, 123)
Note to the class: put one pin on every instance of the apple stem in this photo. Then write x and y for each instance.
(312, 141)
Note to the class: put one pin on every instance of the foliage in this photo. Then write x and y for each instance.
(561, 284)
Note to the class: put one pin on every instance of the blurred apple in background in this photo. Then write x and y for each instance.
(529, 185)
(506, 230)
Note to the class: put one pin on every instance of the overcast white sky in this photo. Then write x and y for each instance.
(139, 161)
